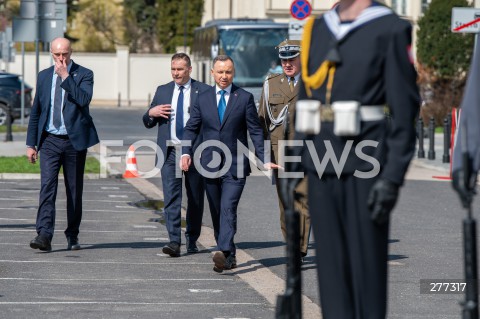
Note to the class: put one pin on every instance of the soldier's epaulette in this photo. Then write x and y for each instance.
(273, 75)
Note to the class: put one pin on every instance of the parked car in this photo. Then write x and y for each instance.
(10, 97)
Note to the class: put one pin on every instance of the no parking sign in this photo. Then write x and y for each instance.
(300, 9)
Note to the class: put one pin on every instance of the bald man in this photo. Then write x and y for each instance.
(61, 130)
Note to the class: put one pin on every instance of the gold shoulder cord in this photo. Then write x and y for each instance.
(317, 79)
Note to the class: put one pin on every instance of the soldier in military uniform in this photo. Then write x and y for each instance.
(276, 110)
(356, 59)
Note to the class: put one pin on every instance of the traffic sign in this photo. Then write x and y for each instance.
(295, 29)
(466, 20)
(300, 9)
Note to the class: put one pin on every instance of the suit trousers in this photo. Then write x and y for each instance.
(223, 195)
(172, 192)
(58, 152)
(351, 250)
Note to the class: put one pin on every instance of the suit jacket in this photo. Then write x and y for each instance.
(78, 88)
(240, 117)
(164, 95)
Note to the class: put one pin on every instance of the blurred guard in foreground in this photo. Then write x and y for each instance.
(466, 164)
(356, 59)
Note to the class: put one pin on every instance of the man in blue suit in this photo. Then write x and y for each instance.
(62, 130)
(169, 111)
(224, 114)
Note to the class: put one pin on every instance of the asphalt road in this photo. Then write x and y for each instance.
(121, 273)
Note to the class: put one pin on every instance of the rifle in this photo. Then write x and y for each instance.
(289, 305)
(470, 305)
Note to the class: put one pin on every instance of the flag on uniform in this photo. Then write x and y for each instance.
(470, 117)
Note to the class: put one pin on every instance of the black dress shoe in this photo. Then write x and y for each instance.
(191, 247)
(172, 249)
(73, 243)
(223, 263)
(42, 243)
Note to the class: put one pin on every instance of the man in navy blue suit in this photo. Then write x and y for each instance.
(62, 130)
(169, 111)
(224, 114)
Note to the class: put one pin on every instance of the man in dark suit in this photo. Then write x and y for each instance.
(62, 130)
(224, 113)
(170, 111)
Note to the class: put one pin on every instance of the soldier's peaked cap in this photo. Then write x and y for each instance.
(288, 49)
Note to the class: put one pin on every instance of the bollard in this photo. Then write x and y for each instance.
(446, 142)
(421, 151)
(449, 127)
(431, 136)
(9, 136)
(119, 99)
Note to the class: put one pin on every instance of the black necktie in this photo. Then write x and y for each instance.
(179, 117)
(57, 104)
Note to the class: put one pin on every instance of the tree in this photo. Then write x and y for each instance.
(98, 26)
(140, 17)
(443, 59)
(171, 22)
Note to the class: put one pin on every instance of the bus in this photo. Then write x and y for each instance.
(249, 42)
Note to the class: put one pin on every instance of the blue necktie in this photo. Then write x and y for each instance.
(179, 116)
(222, 105)
(57, 104)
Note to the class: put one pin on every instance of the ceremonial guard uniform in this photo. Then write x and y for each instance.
(357, 70)
(276, 109)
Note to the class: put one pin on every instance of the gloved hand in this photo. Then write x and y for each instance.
(465, 192)
(381, 200)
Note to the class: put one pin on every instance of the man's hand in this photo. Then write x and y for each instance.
(32, 155)
(269, 166)
(381, 200)
(465, 192)
(162, 110)
(61, 69)
(185, 162)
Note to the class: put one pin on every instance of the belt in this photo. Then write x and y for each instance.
(367, 113)
(63, 137)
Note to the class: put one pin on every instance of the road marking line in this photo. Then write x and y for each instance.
(124, 279)
(86, 231)
(64, 220)
(117, 196)
(97, 262)
(205, 290)
(109, 187)
(144, 226)
(129, 303)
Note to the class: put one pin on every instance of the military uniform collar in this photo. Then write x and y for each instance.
(373, 12)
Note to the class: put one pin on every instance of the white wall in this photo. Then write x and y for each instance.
(134, 76)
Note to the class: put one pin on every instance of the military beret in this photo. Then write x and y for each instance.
(288, 49)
